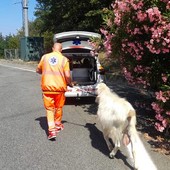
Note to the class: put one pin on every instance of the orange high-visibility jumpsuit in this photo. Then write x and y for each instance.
(54, 85)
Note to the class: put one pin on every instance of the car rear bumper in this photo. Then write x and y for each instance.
(81, 91)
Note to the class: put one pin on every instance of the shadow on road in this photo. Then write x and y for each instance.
(43, 123)
(97, 139)
(98, 142)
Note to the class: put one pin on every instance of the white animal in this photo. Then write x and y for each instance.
(118, 121)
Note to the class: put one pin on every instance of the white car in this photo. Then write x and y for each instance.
(85, 68)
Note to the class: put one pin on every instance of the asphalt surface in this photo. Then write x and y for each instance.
(23, 130)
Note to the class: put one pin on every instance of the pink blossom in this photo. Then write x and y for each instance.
(103, 31)
(138, 69)
(167, 40)
(165, 50)
(157, 108)
(138, 5)
(151, 41)
(128, 76)
(139, 57)
(117, 19)
(154, 14)
(168, 113)
(136, 31)
(159, 117)
(141, 16)
(164, 78)
(123, 6)
(168, 5)
(159, 127)
(160, 96)
(164, 123)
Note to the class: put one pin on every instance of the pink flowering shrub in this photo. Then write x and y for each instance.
(162, 109)
(138, 34)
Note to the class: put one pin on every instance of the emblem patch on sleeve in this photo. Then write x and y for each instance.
(53, 60)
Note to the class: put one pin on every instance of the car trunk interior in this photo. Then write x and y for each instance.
(83, 69)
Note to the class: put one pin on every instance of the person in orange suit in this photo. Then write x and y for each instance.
(55, 71)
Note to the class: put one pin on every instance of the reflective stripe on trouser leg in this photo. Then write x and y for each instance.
(59, 103)
(50, 119)
(58, 115)
(50, 109)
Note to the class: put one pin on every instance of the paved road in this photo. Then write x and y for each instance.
(23, 138)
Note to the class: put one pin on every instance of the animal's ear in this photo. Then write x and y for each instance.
(98, 88)
(100, 85)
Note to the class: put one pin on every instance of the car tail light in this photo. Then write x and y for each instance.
(101, 70)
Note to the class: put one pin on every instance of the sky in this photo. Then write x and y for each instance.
(11, 15)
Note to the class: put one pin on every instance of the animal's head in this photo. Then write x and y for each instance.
(101, 87)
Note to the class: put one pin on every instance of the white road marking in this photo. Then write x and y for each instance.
(143, 158)
(19, 68)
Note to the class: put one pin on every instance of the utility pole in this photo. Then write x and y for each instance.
(25, 17)
(31, 47)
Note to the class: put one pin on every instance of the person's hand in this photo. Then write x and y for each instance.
(72, 84)
(39, 71)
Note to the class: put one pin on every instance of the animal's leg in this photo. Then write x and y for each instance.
(109, 145)
(112, 141)
(115, 149)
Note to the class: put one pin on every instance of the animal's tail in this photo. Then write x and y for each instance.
(132, 132)
(132, 136)
(132, 117)
(136, 148)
